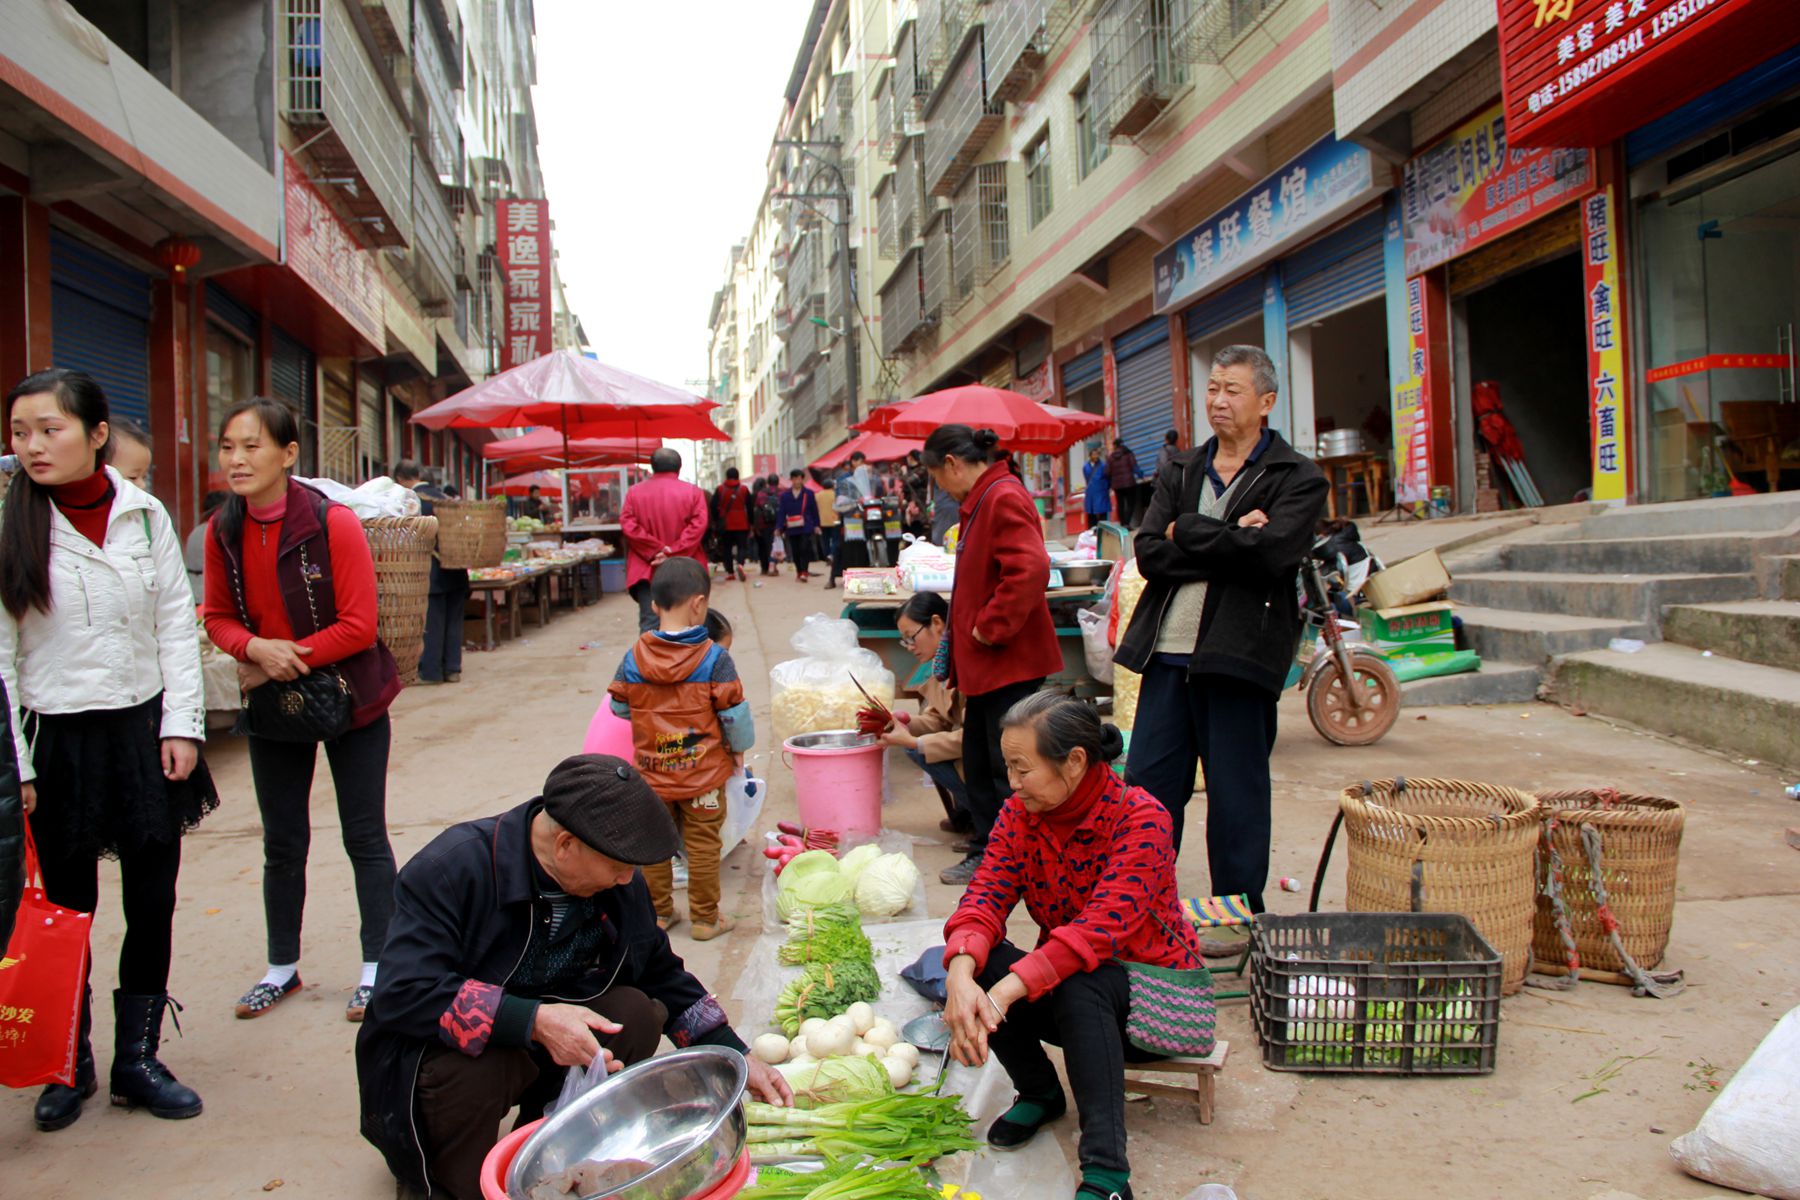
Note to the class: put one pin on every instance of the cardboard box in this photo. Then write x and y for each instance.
(1421, 577)
(1410, 629)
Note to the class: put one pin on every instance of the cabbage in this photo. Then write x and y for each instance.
(852, 864)
(810, 890)
(837, 1081)
(808, 862)
(885, 886)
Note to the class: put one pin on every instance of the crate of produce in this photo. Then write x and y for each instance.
(1375, 994)
(471, 533)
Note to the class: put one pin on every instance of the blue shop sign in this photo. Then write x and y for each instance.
(1326, 182)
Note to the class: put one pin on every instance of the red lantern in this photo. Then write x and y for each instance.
(178, 255)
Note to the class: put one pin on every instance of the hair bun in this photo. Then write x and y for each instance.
(987, 439)
(1112, 742)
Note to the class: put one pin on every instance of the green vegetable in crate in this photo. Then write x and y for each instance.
(845, 1080)
(825, 990)
(830, 933)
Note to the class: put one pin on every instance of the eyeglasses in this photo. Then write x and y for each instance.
(907, 639)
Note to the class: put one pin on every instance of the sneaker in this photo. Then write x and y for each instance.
(667, 923)
(706, 933)
(359, 1003)
(454, 677)
(264, 996)
(960, 874)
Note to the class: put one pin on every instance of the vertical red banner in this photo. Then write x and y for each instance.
(524, 245)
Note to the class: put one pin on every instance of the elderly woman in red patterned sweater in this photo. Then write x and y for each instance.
(1094, 862)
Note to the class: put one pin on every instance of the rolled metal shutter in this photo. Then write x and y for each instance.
(1237, 303)
(1146, 389)
(1083, 370)
(221, 307)
(100, 323)
(291, 373)
(1335, 272)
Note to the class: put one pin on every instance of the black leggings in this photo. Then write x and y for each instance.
(984, 766)
(283, 772)
(147, 898)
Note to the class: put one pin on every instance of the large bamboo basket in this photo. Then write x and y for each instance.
(1475, 848)
(402, 549)
(1640, 839)
(471, 533)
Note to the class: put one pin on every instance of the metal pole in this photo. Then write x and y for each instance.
(850, 364)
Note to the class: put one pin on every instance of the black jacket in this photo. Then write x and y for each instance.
(1250, 626)
(12, 827)
(465, 911)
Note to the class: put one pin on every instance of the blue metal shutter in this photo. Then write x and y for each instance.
(228, 312)
(100, 323)
(1239, 302)
(1083, 370)
(1334, 272)
(1704, 113)
(1146, 390)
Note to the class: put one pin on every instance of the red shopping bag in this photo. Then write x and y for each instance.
(41, 981)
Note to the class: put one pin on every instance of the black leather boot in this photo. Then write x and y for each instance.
(139, 1080)
(59, 1106)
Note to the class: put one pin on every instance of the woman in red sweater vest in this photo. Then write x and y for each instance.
(1094, 864)
(1002, 641)
(290, 589)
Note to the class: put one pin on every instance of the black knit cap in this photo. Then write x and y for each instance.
(604, 801)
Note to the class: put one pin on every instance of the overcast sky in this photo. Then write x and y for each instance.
(654, 122)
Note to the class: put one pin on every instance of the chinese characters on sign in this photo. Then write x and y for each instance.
(1606, 357)
(1564, 63)
(321, 251)
(524, 237)
(1412, 415)
(1328, 181)
(1472, 187)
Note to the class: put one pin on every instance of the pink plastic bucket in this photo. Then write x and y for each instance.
(837, 779)
(499, 1161)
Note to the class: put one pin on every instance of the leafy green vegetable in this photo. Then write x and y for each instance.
(853, 862)
(831, 933)
(844, 1080)
(844, 1180)
(898, 1128)
(824, 990)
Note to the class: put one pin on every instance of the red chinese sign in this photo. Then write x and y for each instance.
(524, 244)
(321, 251)
(1717, 362)
(1608, 399)
(1472, 187)
(1585, 72)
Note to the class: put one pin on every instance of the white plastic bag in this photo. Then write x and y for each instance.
(1094, 645)
(1088, 543)
(743, 805)
(379, 497)
(1747, 1138)
(578, 1082)
(815, 692)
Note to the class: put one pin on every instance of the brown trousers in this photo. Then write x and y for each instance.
(461, 1100)
(699, 826)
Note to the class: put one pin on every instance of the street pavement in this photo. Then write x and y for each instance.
(281, 1107)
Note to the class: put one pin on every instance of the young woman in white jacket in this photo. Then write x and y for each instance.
(99, 654)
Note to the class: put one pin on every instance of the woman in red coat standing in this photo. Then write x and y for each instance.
(1002, 643)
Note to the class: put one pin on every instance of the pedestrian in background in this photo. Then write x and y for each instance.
(853, 534)
(98, 652)
(1002, 640)
(440, 661)
(131, 452)
(731, 500)
(663, 517)
(690, 725)
(193, 552)
(290, 591)
(799, 523)
(766, 509)
(917, 513)
(1097, 501)
(1170, 448)
(1218, 624)
(1121, 472)
(824, 498)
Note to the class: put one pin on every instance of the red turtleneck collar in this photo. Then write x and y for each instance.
(87, 503)
(1067, 817)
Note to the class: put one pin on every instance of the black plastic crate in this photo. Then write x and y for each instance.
(1375, 994)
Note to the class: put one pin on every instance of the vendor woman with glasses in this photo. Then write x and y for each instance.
(933, 739)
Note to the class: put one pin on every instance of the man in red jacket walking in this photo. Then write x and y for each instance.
(731, 500)
(663, 518)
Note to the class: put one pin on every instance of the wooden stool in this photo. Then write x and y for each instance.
(1205, 1073)
(1223, 912)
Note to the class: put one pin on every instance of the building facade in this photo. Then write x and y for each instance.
(203, 202)
(1565, 216)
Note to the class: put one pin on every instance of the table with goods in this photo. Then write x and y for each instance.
(526, 574)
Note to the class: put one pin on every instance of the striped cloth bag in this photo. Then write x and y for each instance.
(1172, 1010)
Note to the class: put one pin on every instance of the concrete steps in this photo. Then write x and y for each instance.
(1787, 580)
(1496, 683)
(1748, 710)
(1704, 553)
(1763, 513)
(1756, 631)
(1638, 599)
(1511, 636)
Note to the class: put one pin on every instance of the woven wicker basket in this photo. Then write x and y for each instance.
(1640, 839)
(402, 549)
(1475, 844)
(471, 533)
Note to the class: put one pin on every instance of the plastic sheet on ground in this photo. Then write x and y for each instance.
(891, 842)
(895, 943)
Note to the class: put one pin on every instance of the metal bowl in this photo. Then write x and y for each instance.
(1091, 573)
(680, 1115)
(830, 739)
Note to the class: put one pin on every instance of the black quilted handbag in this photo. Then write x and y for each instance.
(312, 708)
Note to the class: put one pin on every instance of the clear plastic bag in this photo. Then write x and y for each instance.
(816, 691)
(1094, 645)
(579, 1082)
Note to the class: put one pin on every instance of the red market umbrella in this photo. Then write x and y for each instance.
(1077, 426)
(876, 447)
(521, 485)
(543, 449)
(881, 418)
(1017, 419)
(565, 390)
